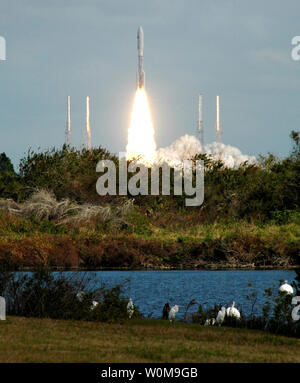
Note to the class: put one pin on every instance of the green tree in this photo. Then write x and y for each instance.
(67, 172)
(10, 186)
(5, 164)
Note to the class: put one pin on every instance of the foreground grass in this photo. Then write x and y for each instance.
(48, 340)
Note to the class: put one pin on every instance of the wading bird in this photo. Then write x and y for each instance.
(221, 315)
(80, 296)
(173, 312)
(286, 288)
(130, 308)
(233, 312)
(94, 304)
(210, 322)
(166, 310)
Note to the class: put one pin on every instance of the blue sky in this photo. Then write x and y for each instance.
(238, 49)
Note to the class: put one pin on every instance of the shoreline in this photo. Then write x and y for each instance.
(209, 267)
(25, 245)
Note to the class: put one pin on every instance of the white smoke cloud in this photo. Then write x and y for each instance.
(187, 147)
(231, 156)
(182, 149)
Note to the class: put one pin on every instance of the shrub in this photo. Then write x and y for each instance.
(44, 294)
(68, 172)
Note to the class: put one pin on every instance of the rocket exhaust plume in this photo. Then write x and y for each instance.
(87, 125)
(68, 128)
(141, 140)
(141, 136)
(186, 147)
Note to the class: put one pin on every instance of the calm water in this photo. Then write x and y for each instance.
(150, 290)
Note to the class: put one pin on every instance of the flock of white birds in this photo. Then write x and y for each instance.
(231, 311)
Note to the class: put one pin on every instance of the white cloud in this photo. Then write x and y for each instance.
(186, 147)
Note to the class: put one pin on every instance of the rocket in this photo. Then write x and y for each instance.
(140, 48)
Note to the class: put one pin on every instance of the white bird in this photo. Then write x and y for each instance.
(80, 296)
(233, 312)
(94, 304)
(173, 312)
(210, 322)
(130, 308)
(286, 288)
(221, 315)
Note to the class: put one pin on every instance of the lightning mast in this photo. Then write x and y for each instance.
(200, 122)
(68, 129)
(87, 125)
(218, 128)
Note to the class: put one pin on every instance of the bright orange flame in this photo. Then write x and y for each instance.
(141, 135)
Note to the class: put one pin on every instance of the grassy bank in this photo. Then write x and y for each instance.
(48, 340)
(139, 239)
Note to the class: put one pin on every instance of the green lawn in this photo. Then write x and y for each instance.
(48, 340)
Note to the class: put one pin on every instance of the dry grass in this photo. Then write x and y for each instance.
(43, 205)
(46, 340)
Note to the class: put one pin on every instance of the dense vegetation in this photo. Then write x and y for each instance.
(266, 190)
(45, 295)
(50, 213)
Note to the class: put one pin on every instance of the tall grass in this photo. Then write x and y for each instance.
(43, 205)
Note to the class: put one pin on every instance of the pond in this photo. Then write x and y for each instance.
(150, 290)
